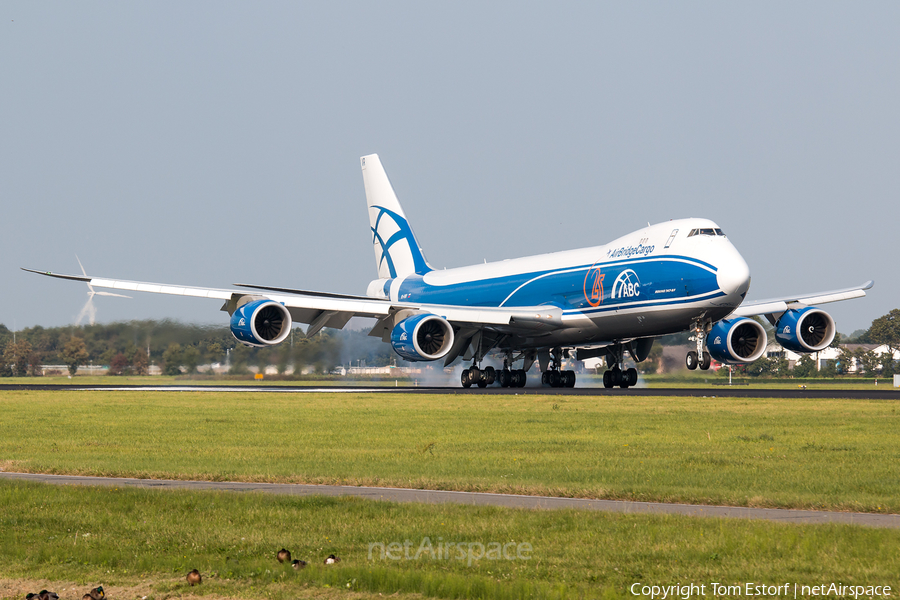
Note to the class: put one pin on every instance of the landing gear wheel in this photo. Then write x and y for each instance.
(691, 360)
(607, 379)
(505, 378)
(631, 377)
(568, 379)
(554, 378)
(705, 362)
(490, 375)
(545, 377)
(464, 379)
(474, 375)
(616, 376)
(520, 378)
(481, 382)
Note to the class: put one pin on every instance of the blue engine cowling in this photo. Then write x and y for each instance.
(805, 330)
(422, 337)
(261, 323)
(736, 341)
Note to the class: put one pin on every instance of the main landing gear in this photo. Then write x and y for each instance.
(555, 376)
(616, 376)
(699, 358)
(506, 377)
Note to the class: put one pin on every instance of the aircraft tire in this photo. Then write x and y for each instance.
(521, 378)
(490, 375)
(505, 378)
(631, 376)
(545, 377)
(464, 379)
(707, 360)
(569, 380)
(607, 379)
(616, 376)
(554, 379)
(691, 360)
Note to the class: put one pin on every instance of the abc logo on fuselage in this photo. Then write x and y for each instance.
(626, 286)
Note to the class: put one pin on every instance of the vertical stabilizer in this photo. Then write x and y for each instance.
(397, 253)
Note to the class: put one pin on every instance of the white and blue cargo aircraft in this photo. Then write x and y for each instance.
(602, 301)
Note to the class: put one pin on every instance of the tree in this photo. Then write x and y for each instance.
(73, 354)
(844, 361)
(17, 355)
(866, 362)
(141, 362)
(189, 358)
(118, 364)
(888, 364)
(172, 359)
(805, 367)
(886, 330)
(239, 358)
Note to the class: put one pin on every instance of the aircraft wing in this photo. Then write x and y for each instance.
(777, 306)
(323, 309)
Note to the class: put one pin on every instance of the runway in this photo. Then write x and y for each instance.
(480, 499)
(885, 392)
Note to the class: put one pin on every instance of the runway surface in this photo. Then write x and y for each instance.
(480, 499)
(883, 392)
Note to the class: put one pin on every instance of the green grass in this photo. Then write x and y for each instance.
(130, 539)
(823, 454)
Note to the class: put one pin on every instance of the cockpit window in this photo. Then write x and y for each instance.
(706, 231)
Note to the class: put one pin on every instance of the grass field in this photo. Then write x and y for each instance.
(837, 454)
(142, 542)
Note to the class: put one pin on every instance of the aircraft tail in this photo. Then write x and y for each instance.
(397, 252)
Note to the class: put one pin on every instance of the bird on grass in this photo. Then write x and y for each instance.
(45, 595)
(283, 555)
(194, 578)
(298, 564)
(95, 594)
(332, 559)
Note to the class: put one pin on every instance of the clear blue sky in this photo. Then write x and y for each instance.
(209, 143)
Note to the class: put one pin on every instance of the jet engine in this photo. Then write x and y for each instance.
(422, 337)
(261, 323)
(736, 341)
(805, 330)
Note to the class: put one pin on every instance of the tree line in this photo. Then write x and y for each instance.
(132, 347)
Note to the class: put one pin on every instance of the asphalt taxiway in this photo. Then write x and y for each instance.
(480, 499)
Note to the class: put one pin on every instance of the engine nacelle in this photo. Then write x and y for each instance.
(422, 337)
(736, 341)
(805, 330)
(261, 323)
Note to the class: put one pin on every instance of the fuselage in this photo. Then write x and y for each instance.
(651, 282)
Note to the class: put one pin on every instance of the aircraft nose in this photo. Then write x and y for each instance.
(733, 275)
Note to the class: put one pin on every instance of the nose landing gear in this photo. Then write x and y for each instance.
(699, 358)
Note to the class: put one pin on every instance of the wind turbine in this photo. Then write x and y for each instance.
(89, 309)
